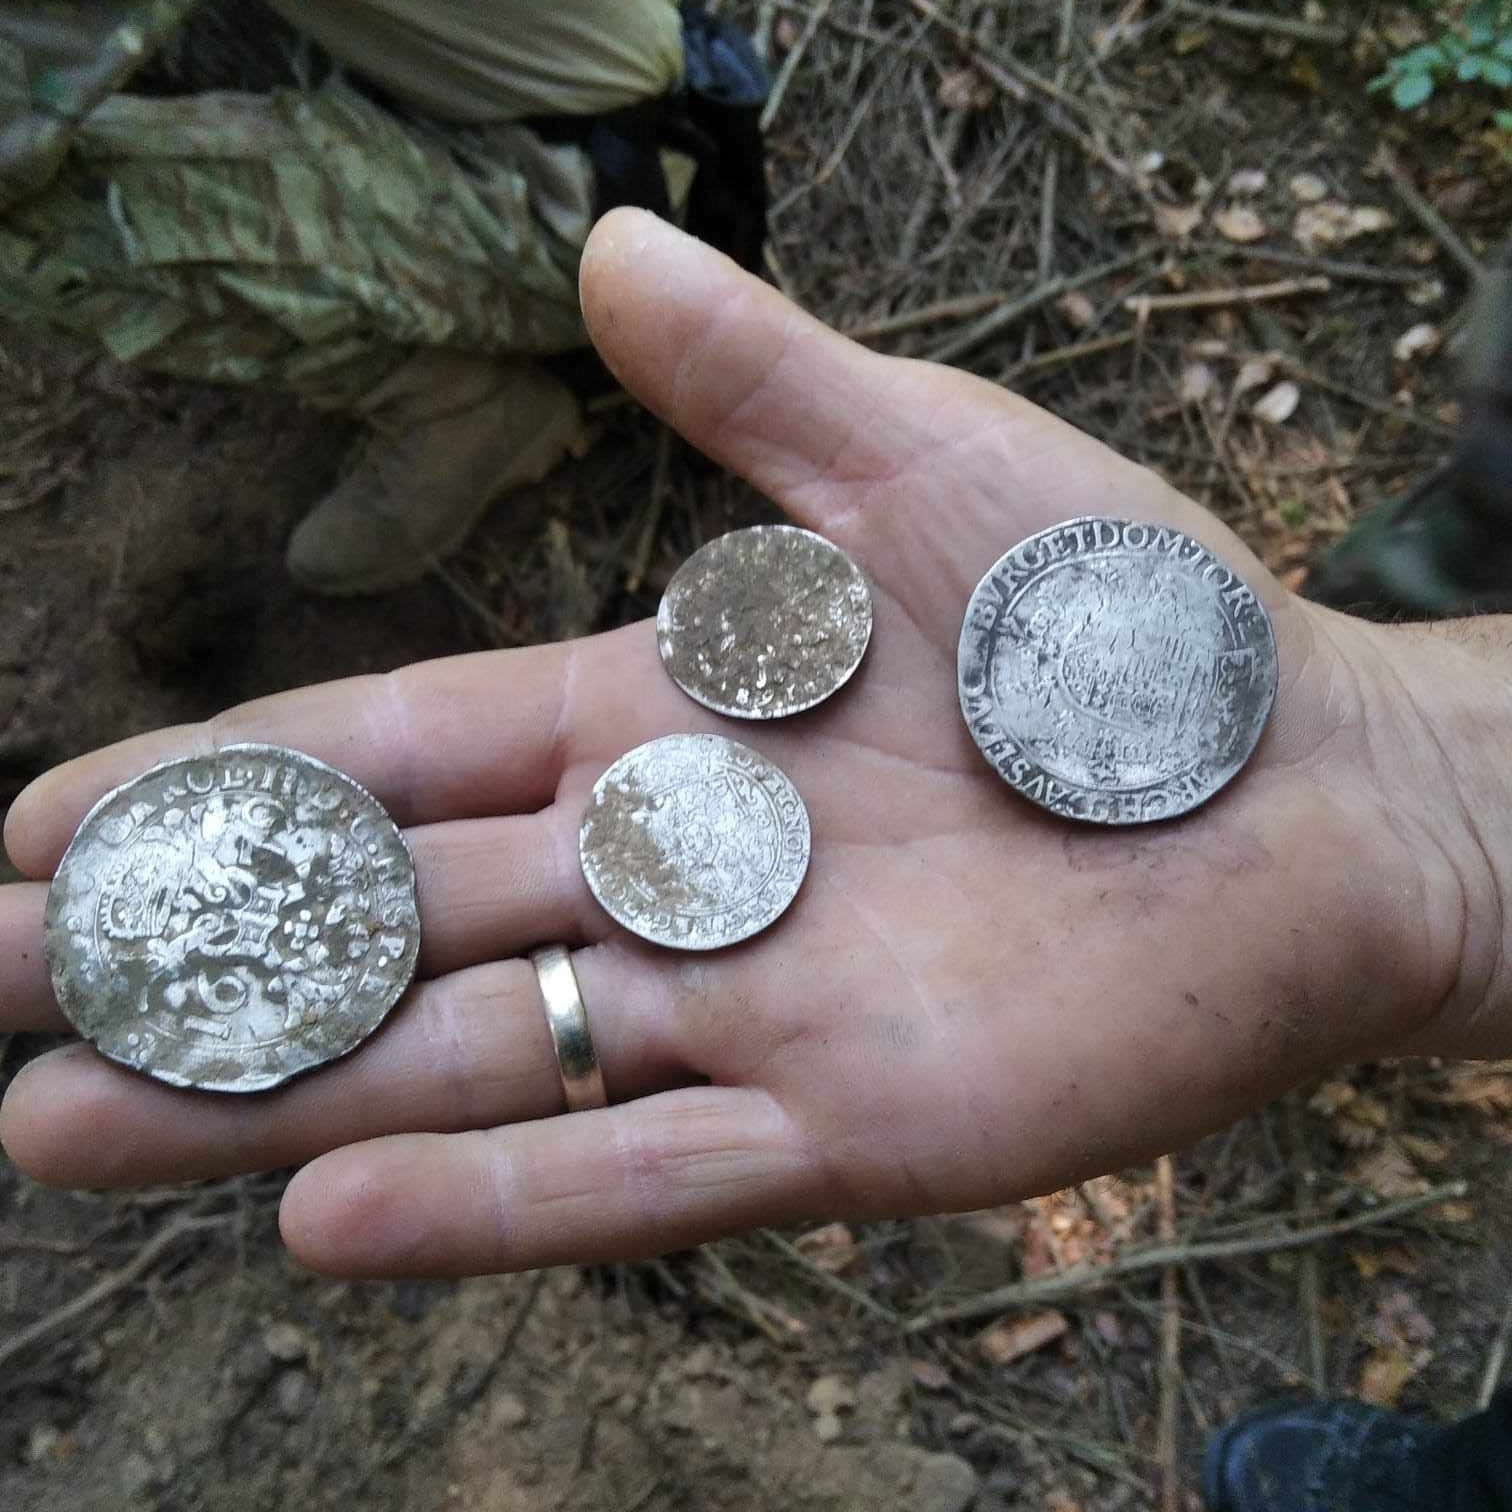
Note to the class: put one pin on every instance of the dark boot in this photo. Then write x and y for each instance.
(1445, 550)
(1326, 1457)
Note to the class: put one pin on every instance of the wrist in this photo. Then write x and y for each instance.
(1435, 710)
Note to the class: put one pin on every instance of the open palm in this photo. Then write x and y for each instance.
(968, 1002)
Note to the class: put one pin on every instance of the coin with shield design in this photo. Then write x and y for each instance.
(230, 921)
(1116, 672)
(695, 842)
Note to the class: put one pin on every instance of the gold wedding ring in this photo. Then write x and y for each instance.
(567, 1018)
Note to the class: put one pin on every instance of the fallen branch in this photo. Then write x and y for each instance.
(1167, 1437)
(1264, 25)
(828, 1281)
(151, 1254)
(1495, 1362)
(1145, 305)
(1015, 309)
(1057, 356)
(1088, 1278)
(1304, 374)
(791, 62)
(1429, 218)
(1022, 85)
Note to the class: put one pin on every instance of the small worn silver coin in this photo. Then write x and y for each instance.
(229, 921)
(695, 842)
(765, 622)
(1116, 672)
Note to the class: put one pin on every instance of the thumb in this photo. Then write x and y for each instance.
(926, 473)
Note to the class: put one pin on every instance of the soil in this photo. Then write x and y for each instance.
(141, 583)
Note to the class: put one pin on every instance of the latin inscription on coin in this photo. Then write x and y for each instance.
(695, 842)
(230, 921)
(766, 622)
(1116, 672)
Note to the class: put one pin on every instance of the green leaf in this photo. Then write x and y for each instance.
(1469, 67)
(1480, 21)
(1419, 59)
(1503, 120)
(1411, 90)
(1503, 49)
(1495, 72)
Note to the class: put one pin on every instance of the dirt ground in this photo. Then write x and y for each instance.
(158, 1350)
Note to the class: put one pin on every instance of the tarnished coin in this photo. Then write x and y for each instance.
(229, 921)
(695, 842)
(1116, 672)
(766, 622)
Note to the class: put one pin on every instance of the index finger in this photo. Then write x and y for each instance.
(453, 739)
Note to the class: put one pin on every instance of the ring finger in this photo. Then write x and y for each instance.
(467, 1051)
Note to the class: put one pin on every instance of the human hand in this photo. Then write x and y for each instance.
(970, 1001)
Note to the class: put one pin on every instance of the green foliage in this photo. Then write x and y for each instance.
(1476, 50)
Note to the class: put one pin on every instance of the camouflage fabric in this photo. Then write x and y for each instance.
(57, 63)
(313, 240)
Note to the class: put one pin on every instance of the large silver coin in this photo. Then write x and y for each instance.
(766, 622)
(695, 842)
(1116, 672)
(230, 921)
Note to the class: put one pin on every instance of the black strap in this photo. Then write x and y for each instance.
(714, 118)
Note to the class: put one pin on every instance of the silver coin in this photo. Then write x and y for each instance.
(229, 921)
(695, 842)
(1116, 672)
(766, 622)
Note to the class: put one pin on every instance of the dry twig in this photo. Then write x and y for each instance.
(957, 346)
(1145, 305)
(1082, 1279)
(1496, 1361)
(1167, 1438)
(1264, 24)
(1429, 218)
(109, 1286)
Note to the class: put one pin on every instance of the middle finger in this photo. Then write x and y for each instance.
(466, 1051)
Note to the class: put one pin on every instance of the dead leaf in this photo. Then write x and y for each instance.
(1332, 223)
(1421, 341)
(1245, 182)
(1062, 1501)
(1396, 1260)
(1385, 1374)
(1457, 1210)
(1177, 221)
(1007, 1341)
(1198, 382)
(1388, 1173)
(1307, 188)
(1253, 372)
(929, 1376)
(1420, 250)
(1190, 39)
(1003, 1226)
(1210, 347)
(1424, 1150)
(964, 89)
(831, 1395)
(1079, 311)
(1239, 224)
(832, 1249)
(785, 34)
(1304, 73)
(1278, 405)
(1399, 1320)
